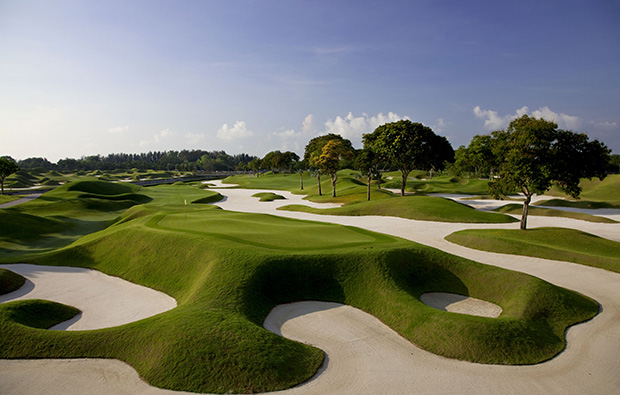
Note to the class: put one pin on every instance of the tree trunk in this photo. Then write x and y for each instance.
(318, 177)
(526, 206)
(404, 174)
(334, 177)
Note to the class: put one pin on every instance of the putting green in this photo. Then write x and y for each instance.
(270, 231)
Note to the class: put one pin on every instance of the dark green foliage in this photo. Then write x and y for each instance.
(408, 146)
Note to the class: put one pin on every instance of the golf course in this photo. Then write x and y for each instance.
(253, 284)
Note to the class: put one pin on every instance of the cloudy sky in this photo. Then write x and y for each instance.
(84, 77)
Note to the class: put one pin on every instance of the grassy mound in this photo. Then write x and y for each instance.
(424, 208)
(211, 198)
(35, 313)
(103, 188)
(550, 243)
(268, 196)
(596, 190)
(583, 204)
(227, 270)
(10, 281)
(548, 212)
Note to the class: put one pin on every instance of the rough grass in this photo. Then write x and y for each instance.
(425, 208)
(10, 281)
(550, 243)
(548, 212)
(8, 198)
(268, 196)
(228, 270)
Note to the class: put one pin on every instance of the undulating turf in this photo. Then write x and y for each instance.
(424, 208)
(548, 212)
(584, 204)
(8, 198)
(10, 281)
(597, 190)
(268, 196)
(550, 243)
(227, 270)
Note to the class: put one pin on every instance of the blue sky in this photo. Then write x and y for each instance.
(83, 77)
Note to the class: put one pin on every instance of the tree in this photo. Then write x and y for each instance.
(367, 162)
(7, 167)
(533, 153)
(314, 150)
(329, 161)
(408, 146)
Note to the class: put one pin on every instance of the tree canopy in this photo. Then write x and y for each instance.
(533, 153)
(7, 167)
(314, 150)
(407, 146)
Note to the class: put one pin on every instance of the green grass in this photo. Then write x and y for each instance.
(437, 184)
(8, 198)
(268, 196)
(227, 270)
(10, 281)
(423, 208)
(583, 204)
(35, 313)
(596, 190)
(550, 243)
(549, 212)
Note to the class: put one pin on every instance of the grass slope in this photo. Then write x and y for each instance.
(550, 243)
(596, 190)
(268, 196)
(424, 208)
(227, 270)
(548, 212)
(10, 281)
(584, 204)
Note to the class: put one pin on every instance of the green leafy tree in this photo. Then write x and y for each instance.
(408, 146)
(7, 167)
(331, 155)
(369, 165)
(533, 153)
(314, 150)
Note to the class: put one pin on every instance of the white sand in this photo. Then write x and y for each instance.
(104, 301)
(461, 304)
(366, 357)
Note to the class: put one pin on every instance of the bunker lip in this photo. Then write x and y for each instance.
(104, 301)
(461, 304)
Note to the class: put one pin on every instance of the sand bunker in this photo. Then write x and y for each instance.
(461, 304)
(104, 301)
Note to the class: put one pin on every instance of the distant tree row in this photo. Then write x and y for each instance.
(185, 160)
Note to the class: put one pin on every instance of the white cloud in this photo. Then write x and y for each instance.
(308, 125)
(494, 121)
(238, 131)
(119, 129)
(605, 125)
(352, 128)
(564, 121)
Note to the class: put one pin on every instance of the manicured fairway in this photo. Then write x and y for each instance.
(551, 243)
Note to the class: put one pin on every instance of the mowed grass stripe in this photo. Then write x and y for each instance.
(550, 243)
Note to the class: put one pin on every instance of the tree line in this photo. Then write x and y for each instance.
(527, 157)
(185, 160)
